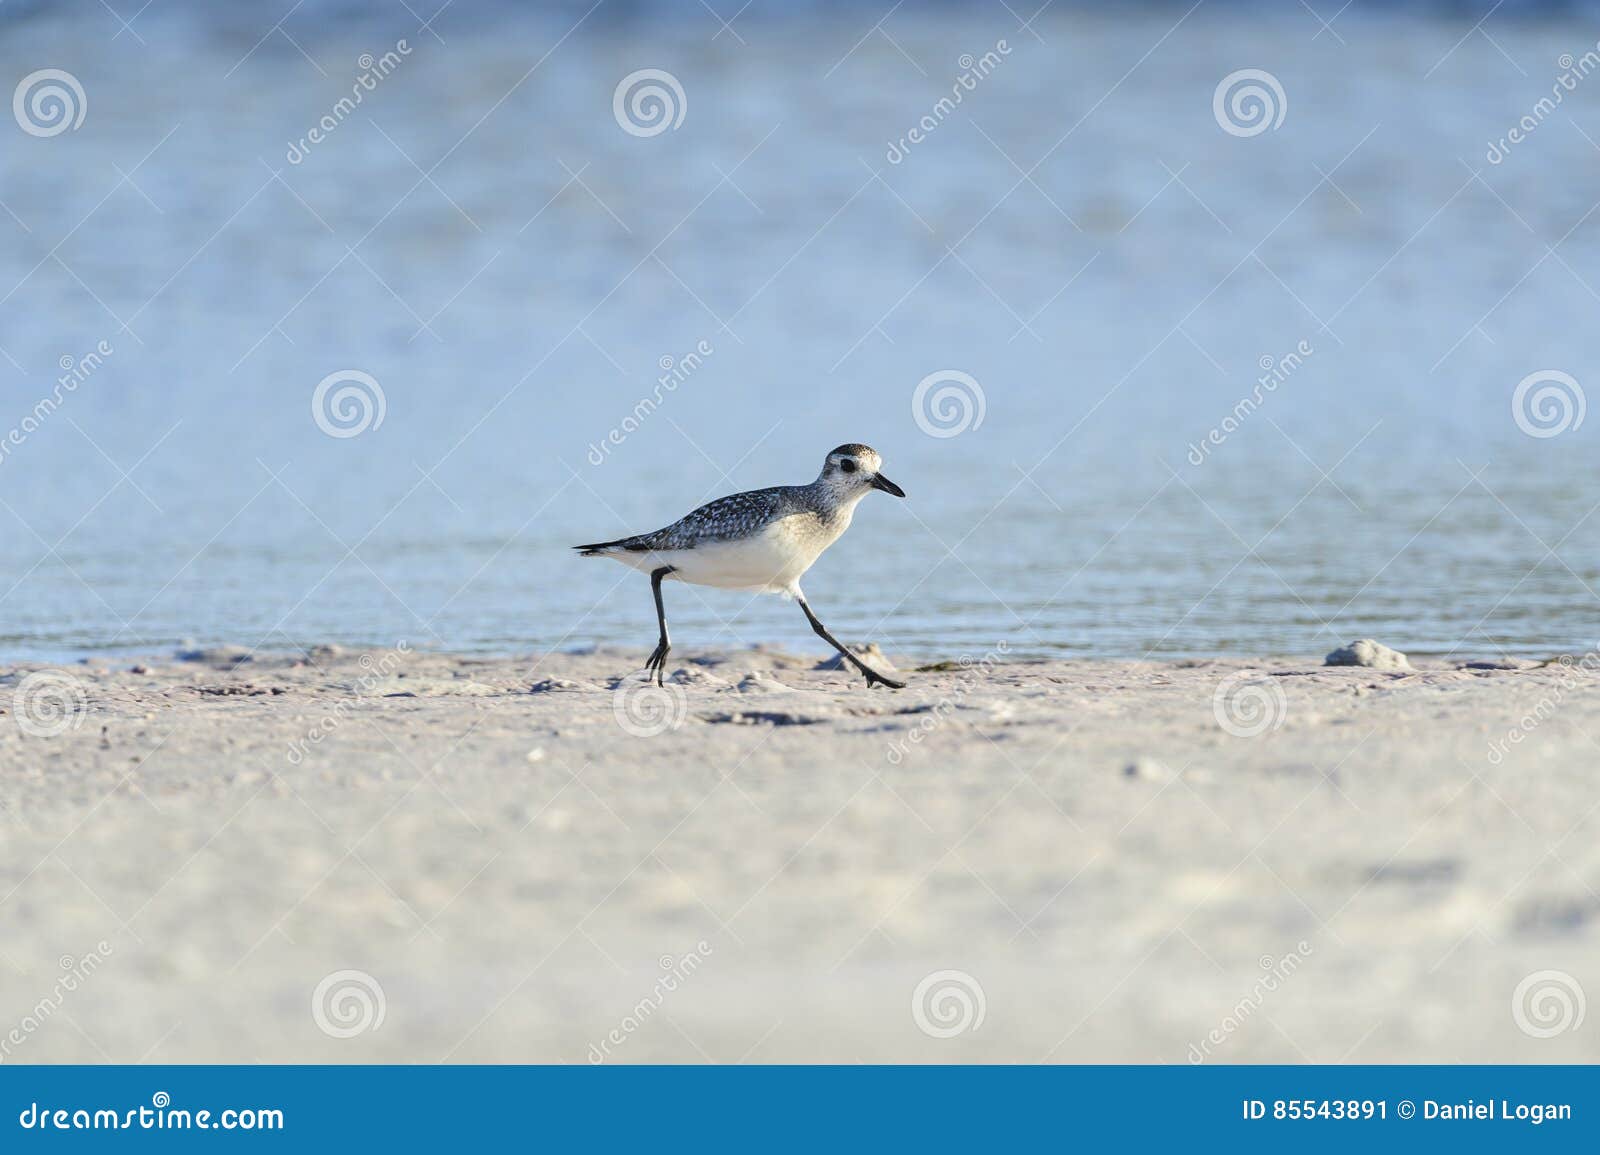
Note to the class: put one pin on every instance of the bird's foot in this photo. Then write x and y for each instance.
(656, 663)
(874, 679)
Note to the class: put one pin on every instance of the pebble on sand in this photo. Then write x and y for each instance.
(220, 656)
(1147, 768)
(1367, 652)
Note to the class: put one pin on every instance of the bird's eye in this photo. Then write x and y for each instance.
(847, 465)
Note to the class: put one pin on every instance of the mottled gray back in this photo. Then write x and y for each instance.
(729, 518)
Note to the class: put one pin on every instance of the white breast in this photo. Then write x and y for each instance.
(771, 561)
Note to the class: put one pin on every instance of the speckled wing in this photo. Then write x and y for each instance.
(726, 519)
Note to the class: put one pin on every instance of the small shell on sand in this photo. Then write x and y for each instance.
(1367, 652)
(869, 653)
(696, 677)
(560, 686)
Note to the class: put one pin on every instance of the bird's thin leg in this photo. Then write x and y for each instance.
(872, 676)
(658, 659)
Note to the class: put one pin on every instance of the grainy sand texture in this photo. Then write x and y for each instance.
(401, 856)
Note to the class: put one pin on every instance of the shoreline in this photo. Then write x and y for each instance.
(1107, 850)
(211, 653)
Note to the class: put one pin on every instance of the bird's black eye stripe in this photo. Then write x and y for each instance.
(847, 465)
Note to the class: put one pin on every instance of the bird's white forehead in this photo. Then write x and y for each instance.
(867, 457)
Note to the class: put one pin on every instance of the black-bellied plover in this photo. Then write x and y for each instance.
(763, 540)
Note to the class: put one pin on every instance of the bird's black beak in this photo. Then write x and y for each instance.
(879, 481)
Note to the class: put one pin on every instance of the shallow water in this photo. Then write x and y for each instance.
(1079, 236)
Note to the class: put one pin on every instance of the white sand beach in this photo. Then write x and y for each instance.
(1114, 875)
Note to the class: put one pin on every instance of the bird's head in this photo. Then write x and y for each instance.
(851, 470)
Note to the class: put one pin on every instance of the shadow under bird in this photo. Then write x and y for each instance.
(762, 540)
